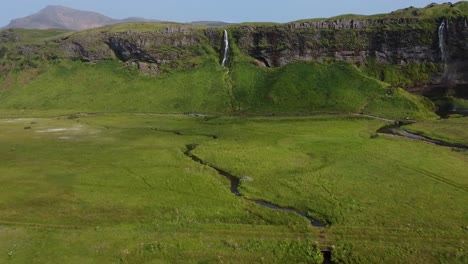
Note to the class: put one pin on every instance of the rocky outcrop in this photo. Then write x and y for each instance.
(168, 45)
(145, 50)
(9, 36)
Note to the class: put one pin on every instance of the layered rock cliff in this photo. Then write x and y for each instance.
(410, 42)
(388, 42)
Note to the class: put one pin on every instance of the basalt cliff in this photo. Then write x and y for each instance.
(418, 49)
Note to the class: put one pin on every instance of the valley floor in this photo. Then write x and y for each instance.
(120, 188)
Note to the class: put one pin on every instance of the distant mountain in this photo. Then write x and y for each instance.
(61, 17)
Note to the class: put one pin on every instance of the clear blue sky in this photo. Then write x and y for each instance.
(224, 10)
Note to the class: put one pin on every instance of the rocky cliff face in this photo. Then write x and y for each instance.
(393, 41)
(387, 42)
(382, 41)
(146, 50)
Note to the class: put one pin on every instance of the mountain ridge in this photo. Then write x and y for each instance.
(62, 17)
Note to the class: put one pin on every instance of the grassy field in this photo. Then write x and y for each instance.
(111, 189)
(118, 189)
(373, 190)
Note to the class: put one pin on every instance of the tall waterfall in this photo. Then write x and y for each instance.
(442, 44)
(226, 49)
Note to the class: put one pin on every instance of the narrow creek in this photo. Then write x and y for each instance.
(235, 182)
(234, 188)
(396, 130)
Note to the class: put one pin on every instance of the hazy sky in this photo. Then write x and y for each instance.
(225, 10)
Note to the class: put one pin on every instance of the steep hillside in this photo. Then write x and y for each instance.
(345, 64)
(410, 39)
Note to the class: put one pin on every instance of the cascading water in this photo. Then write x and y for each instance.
(226, 49)
(443, 46)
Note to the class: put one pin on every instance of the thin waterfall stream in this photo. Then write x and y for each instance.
(226, 49)
(443, 45)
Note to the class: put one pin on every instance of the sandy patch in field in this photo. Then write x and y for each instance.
(64, 129)
(17, 120)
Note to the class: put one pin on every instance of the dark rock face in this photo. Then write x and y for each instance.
(457, 42)
(385, 41)
(144, 50)
(352, 41)
(146, 47)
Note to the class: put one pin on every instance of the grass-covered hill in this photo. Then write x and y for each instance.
(295, 68)
(112, 86)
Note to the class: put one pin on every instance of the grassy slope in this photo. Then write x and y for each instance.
(428, 12)
(110, 87)
(453, 130)
(305, 87)
(32, 36)
(296, 88)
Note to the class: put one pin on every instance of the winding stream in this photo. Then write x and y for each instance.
(235, 182)
(396, 130)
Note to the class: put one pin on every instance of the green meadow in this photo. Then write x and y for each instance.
(104, 163)
(118, 188)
